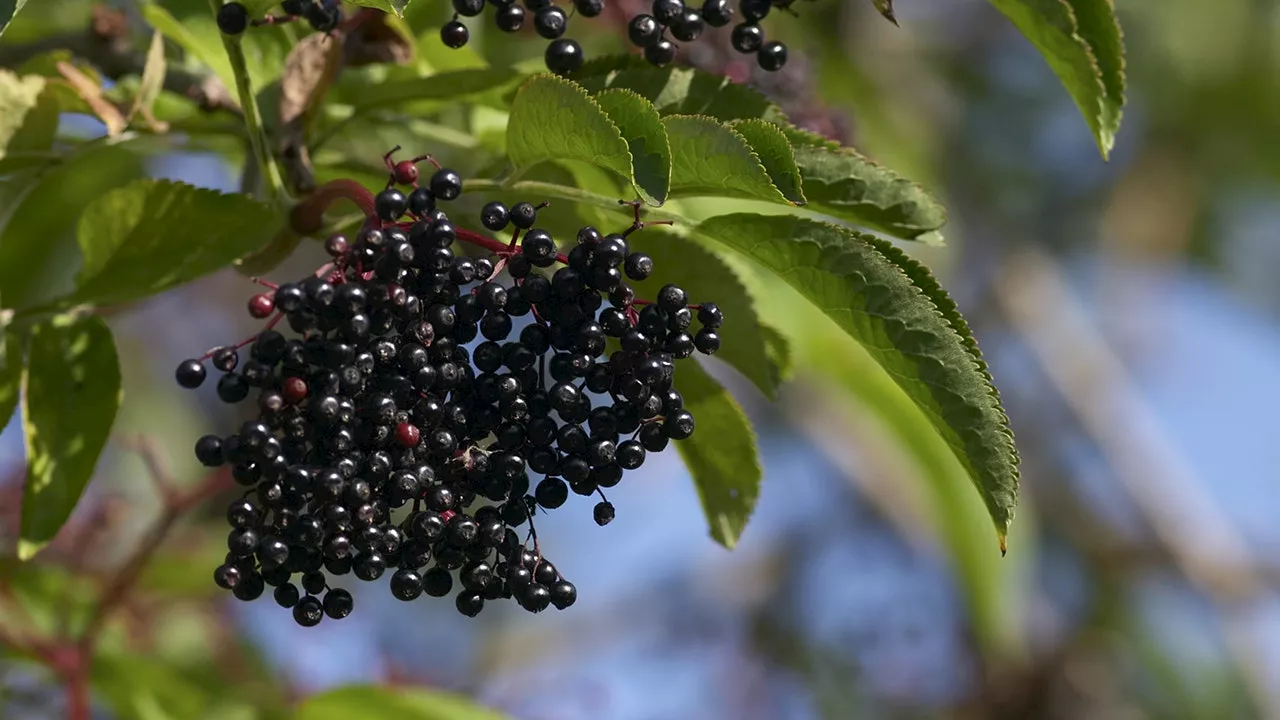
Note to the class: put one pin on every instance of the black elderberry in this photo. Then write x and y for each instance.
(390, 204)
(495, 216)
(550, 22)
(717, 13)
(603, 513)
(233, 18)
(470, 604)
(563, 56)
(454, 34)
(688, 27)
(643, 30)
(667, 11)
(406, 585)
(747, 37)
(190, 374)
(338, 603)
(509, 18)
(287, 595)
(227, 577)
(308, 612)
(446, 184)
(468, 8)
(563, 594)
(437, 582)
(754, 10)
(772, 56)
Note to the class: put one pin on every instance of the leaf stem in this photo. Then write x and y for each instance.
(253, 117)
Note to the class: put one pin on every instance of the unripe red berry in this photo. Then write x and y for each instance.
(261, 306)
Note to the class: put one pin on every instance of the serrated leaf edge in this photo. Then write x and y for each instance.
(747, 145)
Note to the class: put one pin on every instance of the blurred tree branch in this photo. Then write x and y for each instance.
(106, 44)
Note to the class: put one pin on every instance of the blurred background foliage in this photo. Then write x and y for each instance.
(1128, 310)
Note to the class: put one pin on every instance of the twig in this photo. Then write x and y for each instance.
(176, 505)
(105, 44)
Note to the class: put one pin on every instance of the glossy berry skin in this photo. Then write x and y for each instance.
(338, 603)
(446, 184)
(390, 204)
(688, 27)
(233, 18)
(588, 8)
(509, 18)
(308, 612)
(717, 13)
(755, 10)
(564, 56)
(209, 451)
(747, 38)
(661, 52)
(190, 374)
(468, 8)
(454, 34)
(550, 22)
(772, 56)
(667, 12)
(643, 30)
(603, 513)
(495, 216)
(523, 215)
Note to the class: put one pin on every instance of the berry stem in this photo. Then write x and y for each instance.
(307, 217)
(252, 117)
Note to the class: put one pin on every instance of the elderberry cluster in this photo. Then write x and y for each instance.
(428, 406)
(648, 31)
(322, 15)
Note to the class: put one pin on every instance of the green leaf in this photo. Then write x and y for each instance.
(454, 86)
(18, 98)
(773, 149)
(708, 279)
(554, 119)
(39, 257)
(9, 8)
(153, 73)
(710, 158)
(194, 38)
(72, 393)
(870, 294)
(850, 376)
(379, 703)
(10, 373)
(395, 7)
(646, 138)
(842, 183)
(1081, 41)
(678, 91)
(721, 454)
(885, 8)
(151, 235)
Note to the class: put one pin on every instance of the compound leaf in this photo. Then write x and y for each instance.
(869, 292)
(721, 454)
(72, 393)
(152, 235)
(1081, 41)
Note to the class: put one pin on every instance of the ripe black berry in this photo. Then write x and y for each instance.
(717, 13)
(454, 34)
(468, 8)
(495, 216)
(550, 22)
(603, 513)
(643, 30)
(661, 52)
(446, 184)
(523, 215)
(772, 56)
(688, 27)
(338, 603)
(747, 37)
(588, 8)
(308, 612)
(233, 18)
(667, 11)
(190, 374)
(509, 18)
(563, 56)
